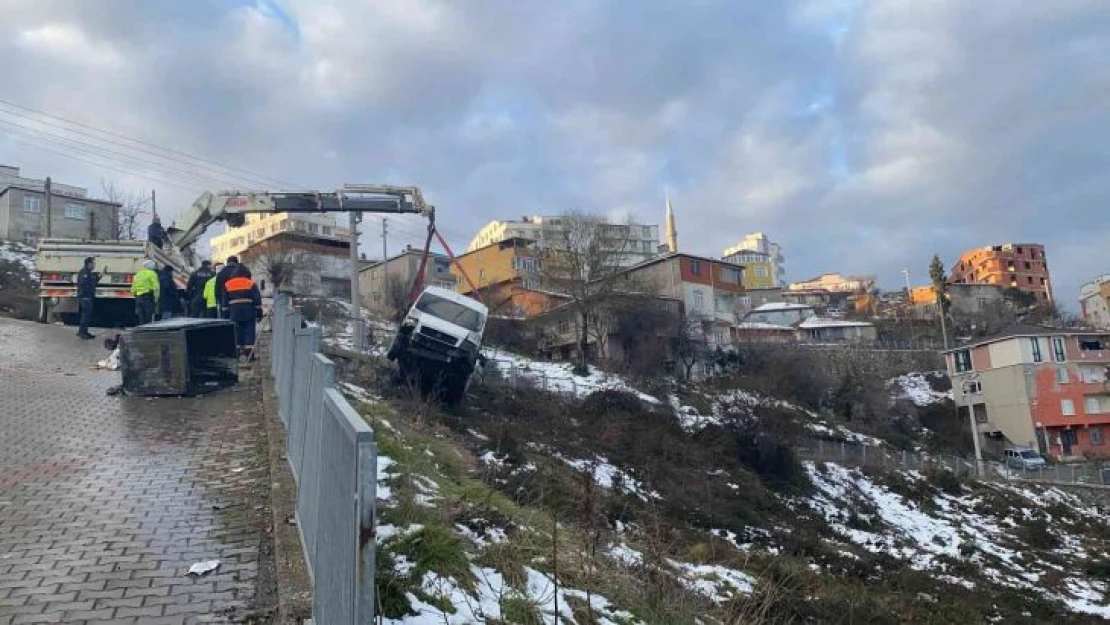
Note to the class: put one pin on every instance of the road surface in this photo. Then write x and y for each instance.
(105, 502)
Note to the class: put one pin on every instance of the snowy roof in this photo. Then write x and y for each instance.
(828, 322)
(782, 306)
(756, 325)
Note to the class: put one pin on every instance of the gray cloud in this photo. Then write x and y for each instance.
(865, 135)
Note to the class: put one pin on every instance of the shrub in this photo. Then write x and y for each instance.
(1099, 569)
(1037, 534)
(945, 480)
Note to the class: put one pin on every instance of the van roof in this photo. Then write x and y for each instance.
(457, 297)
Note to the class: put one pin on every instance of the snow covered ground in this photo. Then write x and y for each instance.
(557, 376)
(957, 528)
(917, 388)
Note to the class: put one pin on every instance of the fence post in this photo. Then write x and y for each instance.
(842, 452)
(367, 523)
(903, 458)
(863, 452)
(1073, 474)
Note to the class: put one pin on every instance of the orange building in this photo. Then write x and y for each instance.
(1018, 265)
(507, 278)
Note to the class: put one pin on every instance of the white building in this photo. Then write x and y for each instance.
(639, 242)
(1094, 302)
(760, 242)
(321, 249)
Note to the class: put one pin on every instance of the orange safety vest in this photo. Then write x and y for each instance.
(239, 290)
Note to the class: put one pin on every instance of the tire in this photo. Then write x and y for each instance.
(454, 387)
(44, 310)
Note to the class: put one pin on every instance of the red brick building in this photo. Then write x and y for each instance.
(1023, 266)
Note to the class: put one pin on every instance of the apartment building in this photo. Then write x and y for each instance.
(319, 248)
(759, 242)
(1094, 302)
(1022, 266)
(635, 242)
(73, 215)
(506, 277)
(385, 285)
(709, 289)
(835, 283)
(759, 268)
(1039, 387)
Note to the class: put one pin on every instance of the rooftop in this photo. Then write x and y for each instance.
(1019, 330)
(778, 306)
(829, 322)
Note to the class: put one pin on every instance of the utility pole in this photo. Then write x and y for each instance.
(356, 299)
(384, 286)
(153, 204)
(49, 207)
(965, 386)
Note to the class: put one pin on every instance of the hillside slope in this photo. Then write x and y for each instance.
(611, 509)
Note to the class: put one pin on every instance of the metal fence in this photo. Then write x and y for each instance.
(334, 462)
(511, 374)
(855, 454)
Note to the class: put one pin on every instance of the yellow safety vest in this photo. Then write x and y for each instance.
(210, 292)
(146, 281)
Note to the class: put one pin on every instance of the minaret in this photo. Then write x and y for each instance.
(672, 233)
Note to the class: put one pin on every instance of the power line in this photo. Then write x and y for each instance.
(200, 161)
(114, 154)
(61, 152)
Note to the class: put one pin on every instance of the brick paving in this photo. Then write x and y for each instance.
(105, 502)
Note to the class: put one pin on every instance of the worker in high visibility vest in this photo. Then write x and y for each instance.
(211, 306)
(144, 286)
(243, 302)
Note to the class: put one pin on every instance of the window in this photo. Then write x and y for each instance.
(482, 274)
(980, 413)
(1067, 407)
(313, 229)
(719, 337)
(1062, 375)
(1090, 345)
(973, 387)
(1037, 355)
(1042, 281)
(745, 302)
(450, 311)
(32, 204)
(1095, 434)
(730, 276)
(1091, 405)
(1026, 264)
(699, 300)
(532, 284)
(761, 272)
(1058, 352)
(564, 326)
(325, 230)
(75, 211)
(963, 360)
(647, 231)
(695, 267)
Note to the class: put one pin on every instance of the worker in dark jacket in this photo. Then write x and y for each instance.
(169, 301)
(194, 289)
(243, 303)
(155, 233)
(222, 276)
(86, 293)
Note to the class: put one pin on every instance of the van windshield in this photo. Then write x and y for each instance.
(450, 311)
(1029, 454)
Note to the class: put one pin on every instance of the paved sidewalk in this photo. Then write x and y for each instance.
(105, 502)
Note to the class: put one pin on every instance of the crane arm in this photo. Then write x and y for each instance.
(232, 206)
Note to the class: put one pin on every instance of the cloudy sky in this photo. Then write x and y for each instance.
(864, 135)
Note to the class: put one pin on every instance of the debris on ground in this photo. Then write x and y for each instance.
(201, 569)
(115, 390)
(111, 363)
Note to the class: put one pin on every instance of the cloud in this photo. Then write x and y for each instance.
(864, 135)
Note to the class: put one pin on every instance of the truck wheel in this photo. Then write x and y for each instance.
(44, 311)
(454, 386)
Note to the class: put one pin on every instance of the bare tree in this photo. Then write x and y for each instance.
(397, 297)
(582, 258)
(691, 344)
(134, 211)
(280, 260)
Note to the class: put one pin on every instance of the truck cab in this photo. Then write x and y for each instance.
(439, 340)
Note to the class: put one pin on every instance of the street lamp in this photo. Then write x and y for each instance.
(966, 385)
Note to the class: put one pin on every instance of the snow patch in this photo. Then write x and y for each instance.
(916, 387)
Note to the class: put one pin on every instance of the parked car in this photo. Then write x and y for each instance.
(1023, 458)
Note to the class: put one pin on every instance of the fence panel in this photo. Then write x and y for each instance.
(334, 462)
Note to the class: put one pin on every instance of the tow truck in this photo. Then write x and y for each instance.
(439, 340)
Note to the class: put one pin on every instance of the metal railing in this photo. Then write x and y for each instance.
(331, 452)
(855, 454)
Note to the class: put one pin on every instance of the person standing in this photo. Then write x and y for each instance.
(155, 233)
(222, 276)
(194, 289)
(244, 307)
(169, 300)
(210, 303)
(86, 294)
(144, 286)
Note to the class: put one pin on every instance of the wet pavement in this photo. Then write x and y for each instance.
(105, 502)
